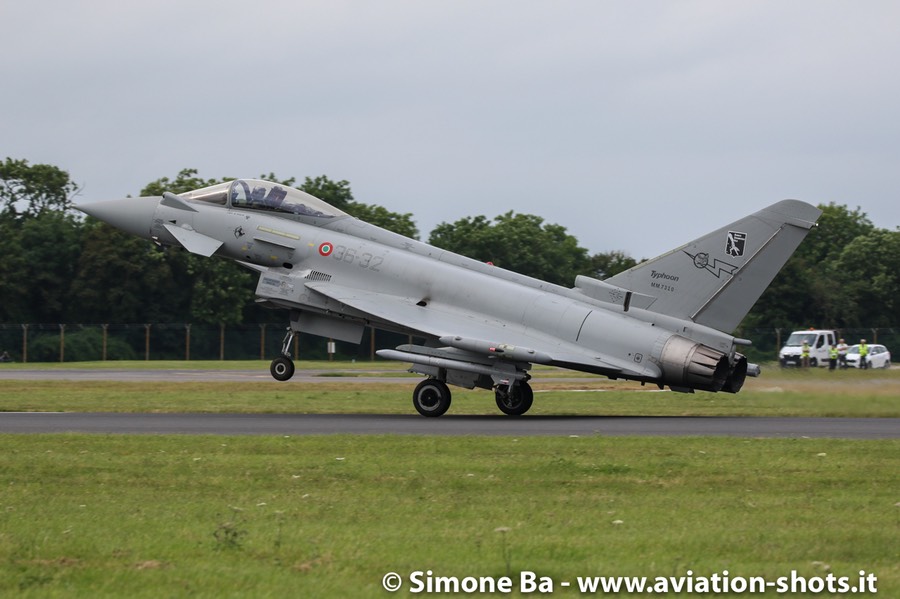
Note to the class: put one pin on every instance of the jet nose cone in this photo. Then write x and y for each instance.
(132, 215)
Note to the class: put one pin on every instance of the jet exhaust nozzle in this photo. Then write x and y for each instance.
(737, 376)
(686, 363)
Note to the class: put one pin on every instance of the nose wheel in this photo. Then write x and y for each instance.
(282, 367)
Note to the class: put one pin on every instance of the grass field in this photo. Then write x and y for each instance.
(777, 393)
(211, 516)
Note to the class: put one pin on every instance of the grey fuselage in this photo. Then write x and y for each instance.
(661, 321)
(295, 249)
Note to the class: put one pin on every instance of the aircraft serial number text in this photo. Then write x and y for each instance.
(352, 256)
(663, 286)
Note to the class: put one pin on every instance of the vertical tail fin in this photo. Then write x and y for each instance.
(716, 279)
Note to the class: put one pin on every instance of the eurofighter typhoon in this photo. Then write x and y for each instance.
(666, 321)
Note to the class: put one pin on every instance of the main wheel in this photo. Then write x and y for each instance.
(431, 398)
(282, 368)
(514, 400)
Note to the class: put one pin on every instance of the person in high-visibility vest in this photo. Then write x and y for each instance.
(863, 354)
(804, 355)
(832, 357)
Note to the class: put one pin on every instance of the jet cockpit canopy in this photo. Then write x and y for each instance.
(256, 194)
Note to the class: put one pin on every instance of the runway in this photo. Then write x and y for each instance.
(379, 424)
(185, 375)
(407, 424)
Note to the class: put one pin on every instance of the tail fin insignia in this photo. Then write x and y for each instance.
(716, 267)
(735, 243)
(715, 279)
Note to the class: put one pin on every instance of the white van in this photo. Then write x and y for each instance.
(819, 344)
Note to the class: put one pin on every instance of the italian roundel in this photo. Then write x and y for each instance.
(326, 248)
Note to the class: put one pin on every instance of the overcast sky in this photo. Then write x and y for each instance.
(637, 126)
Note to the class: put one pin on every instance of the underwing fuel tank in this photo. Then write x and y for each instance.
(508, 352)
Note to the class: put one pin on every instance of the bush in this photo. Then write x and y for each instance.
(80, 346)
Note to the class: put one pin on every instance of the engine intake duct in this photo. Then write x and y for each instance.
(686, 363)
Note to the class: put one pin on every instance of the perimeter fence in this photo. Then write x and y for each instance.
(185, 341)
(177, 341)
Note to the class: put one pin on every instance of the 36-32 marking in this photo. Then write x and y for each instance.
(353, 256)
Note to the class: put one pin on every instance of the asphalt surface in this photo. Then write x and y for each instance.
(370, 424)
(412, 424)
(187, 375)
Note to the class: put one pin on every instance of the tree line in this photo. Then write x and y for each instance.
(59, 267)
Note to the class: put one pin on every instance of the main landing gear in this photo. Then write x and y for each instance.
(282, 367)
(514, 400)
(432, 398)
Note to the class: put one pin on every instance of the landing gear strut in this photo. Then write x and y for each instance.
(514, 400)
(282, 367)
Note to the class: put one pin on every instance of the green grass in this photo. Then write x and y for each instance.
(211, 516)
(116, 516)
(777, 393)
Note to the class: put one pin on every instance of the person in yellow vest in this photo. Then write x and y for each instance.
(832, 357)
(863, 354)
(804, 355)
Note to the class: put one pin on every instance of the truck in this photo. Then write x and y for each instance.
(820, 342)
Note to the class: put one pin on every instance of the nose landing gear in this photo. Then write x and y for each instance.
(282, 367)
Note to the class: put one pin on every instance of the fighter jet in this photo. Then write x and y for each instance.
(665, 322)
